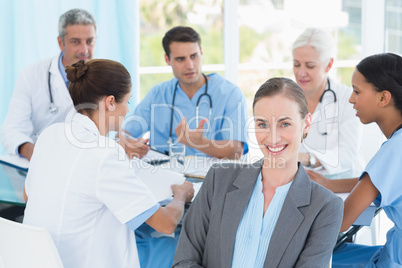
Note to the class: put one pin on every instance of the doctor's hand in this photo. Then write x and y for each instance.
(191, 138)
(305, 160)
(26, 150)
(133, 147)
(184, 191)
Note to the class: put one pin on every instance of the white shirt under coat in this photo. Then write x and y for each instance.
(339, 149)
(29, 108)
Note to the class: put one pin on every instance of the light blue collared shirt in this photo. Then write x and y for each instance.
(62, 69)
(256, 228)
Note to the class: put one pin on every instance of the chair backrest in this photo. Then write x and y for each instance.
(26, 246)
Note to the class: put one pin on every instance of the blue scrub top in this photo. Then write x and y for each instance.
(227, 122)
(385, 171)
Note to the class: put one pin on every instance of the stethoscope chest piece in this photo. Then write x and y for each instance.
(53, 108)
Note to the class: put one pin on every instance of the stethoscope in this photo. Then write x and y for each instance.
(53, 108)
(328, 90)
(321, 98)
(196, 109)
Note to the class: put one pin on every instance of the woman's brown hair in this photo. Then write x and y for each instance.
(95, 79)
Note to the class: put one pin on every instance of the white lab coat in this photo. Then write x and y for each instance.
(338, 150)
(28, 112)
(81, 189)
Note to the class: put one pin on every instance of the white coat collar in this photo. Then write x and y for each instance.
(54, 65)
(86, 123)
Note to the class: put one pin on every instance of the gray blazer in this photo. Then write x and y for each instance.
(304, 236)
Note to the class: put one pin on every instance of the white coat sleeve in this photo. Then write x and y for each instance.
(18, 127)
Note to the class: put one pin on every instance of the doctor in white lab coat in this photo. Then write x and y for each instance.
(335, 136)
(332, 146)
(41, 96)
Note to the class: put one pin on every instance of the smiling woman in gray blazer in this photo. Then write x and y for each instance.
(269, 213)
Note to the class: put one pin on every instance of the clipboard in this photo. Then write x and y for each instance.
(15, 161)
(155, 157)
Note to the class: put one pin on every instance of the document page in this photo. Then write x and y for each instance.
(155, 157)
(198, 166)
(157, 179)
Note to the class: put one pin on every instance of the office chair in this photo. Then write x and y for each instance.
(26, 246)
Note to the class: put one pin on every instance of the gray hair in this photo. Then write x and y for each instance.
(74, 17)
(320, 40)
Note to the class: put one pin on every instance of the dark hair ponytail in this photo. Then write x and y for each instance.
(95, 79)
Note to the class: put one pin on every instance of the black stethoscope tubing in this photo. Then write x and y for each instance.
(53, 108)
(322, 96)
(198, 102)
(328, 90)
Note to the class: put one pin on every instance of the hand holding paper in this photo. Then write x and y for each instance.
(186, 190)
(158, 180)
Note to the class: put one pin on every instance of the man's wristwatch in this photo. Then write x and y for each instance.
(313, 160)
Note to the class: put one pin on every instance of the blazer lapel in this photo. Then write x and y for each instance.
(290, 218)
(235, 204)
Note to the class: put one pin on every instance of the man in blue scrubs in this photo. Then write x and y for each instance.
(206, 113)
(169, 110)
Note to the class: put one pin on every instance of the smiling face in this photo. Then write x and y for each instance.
(186, 59)
(365, 99)
(309, 71)
(279, 128)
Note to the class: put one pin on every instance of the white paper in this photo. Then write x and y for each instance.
(157, 179)
(198, 166)
(197, 187)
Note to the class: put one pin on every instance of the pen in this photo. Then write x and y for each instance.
(158, 162)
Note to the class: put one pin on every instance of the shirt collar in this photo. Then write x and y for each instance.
(62, 69)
